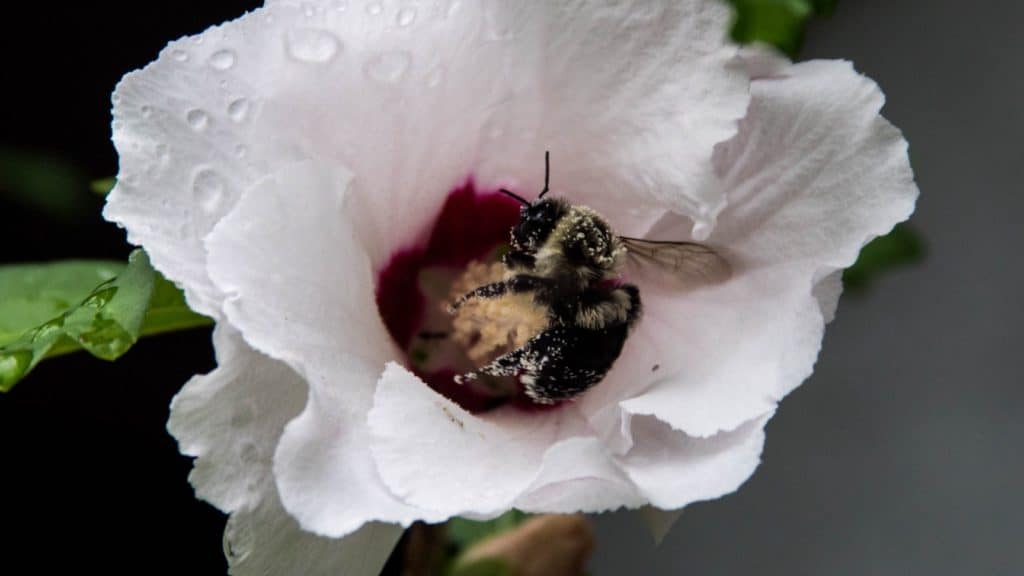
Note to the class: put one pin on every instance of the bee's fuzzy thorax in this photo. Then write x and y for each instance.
(582, 242)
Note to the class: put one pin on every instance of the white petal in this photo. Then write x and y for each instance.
(435, 455)
(267, 541)
(813, 175)
(725, 355)
(577, 475)
(630, 98)
(300, 289)
(672, 469)
(231, 420)
(815, 171)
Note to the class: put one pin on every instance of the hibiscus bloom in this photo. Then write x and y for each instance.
(305, 171)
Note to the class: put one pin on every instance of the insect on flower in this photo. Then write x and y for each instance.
(570, 260)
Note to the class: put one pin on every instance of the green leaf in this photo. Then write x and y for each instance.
(482, 567)
(900, 247)
(45, 184)
(776, 22)
(99, 306)
(464, 533)
(103, 186)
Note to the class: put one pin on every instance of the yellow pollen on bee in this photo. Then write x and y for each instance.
(489, 327)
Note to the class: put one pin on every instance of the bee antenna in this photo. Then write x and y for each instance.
(514, 195)
(547, 173)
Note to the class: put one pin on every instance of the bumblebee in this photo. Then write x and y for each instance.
(569, 259)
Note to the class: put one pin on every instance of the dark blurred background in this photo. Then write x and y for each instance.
(901, 455)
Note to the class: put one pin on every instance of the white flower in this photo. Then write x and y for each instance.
(277, 165)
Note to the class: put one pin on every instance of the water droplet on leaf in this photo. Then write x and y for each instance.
(13, 366)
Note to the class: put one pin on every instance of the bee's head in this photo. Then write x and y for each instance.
(538, 218)
(536, 221)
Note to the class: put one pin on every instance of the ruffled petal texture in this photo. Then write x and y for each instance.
(231, 420)
(813, 175)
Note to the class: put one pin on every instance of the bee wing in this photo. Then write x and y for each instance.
(685, 264)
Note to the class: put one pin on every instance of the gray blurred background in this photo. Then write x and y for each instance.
(902, 453)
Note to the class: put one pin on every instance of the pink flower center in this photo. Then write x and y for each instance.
(411, 289)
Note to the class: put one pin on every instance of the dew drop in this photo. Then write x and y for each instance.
(180, 55)
(238, 109)
(435, 76)
(388, 66)
(146, 111)
(309, 10)
(406, 16)
(341, 5)
(208, 187)
(241, 151)
(311, 45)
(374, 8)
(13, 365)
(222, 59)
(197, 119)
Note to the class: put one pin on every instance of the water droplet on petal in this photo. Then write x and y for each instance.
(311, 45)
(222, 59)
(309, 10)
(180, 55)
(374, 8)
(197, 119)
(238, 109)
(241, 151)
(208, 187)
(388, 66)
(435, 76)
(341, 5)
(406, 16)
(146, 111)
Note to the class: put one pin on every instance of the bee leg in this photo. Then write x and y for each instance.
(516, 284)
(505, 365)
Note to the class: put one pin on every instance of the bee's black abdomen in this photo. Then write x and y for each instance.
(570, 359)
